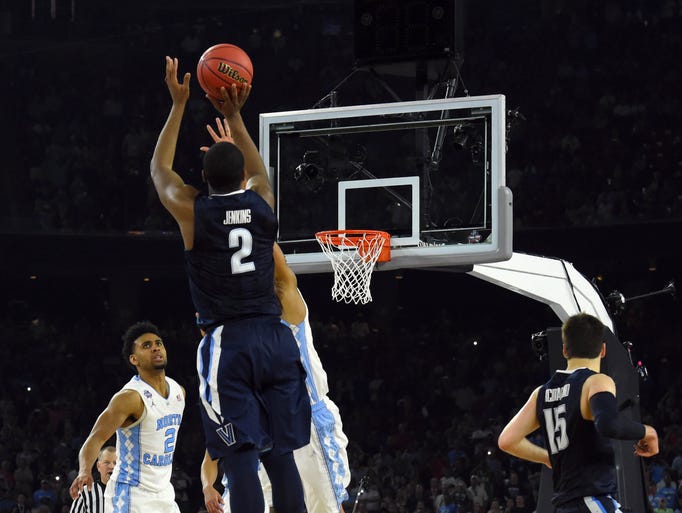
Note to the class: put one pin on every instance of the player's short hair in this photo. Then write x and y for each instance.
(133, 333)
(224, 167)
(583, 336)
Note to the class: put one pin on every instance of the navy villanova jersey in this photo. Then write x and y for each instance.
(583, 462)
(231, 267)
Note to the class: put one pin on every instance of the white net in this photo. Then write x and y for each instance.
(352, 258)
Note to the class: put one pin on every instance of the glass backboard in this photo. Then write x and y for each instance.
(429, 172)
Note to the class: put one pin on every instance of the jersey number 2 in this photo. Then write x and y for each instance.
(241, 238)
(169, 443)
(555, 424)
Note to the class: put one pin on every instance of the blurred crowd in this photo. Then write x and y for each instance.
(595, 87)
(422, 400)
(421, 403)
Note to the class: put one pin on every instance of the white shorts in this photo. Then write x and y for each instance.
(322, 464)
(123, 498)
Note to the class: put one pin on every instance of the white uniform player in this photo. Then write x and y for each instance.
(145, 415)
(323, 463)
(144, 450)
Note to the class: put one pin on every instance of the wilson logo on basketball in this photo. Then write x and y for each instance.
(229, 71)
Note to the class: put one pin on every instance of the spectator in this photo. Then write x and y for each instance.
(675, 466)
(23, 477)
(662, 506)
(520, 505)
(495, 506)
(656, 470)
(652, 498)
(463, 497)
(43, 506)
(448, 479)
(449, 504)
(371, 498)
(667, 490)
(434, 492)
(21, 505)
(513, 486)
(479, 495)
(666, 482)
(7, 482)
(45, 494)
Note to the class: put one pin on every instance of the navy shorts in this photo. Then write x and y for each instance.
(252, 388)
(596, 504)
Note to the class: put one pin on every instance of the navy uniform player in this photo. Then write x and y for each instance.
(251, 382)
(323, 463)
(577, 414)
(145, 415)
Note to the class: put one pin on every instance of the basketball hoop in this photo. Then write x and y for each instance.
(353, 254)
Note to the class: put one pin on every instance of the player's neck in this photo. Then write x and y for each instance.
(577, 363)
(157, 380)
(221, 192)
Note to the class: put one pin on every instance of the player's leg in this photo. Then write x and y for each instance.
(123, 498)
(287, 489)
(231, 410)
(284, 392)
(241, 469)
(288, 405)
(267, 488)
(265, 485)
(323, 463)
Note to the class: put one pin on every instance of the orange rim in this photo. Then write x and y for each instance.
(343, 237)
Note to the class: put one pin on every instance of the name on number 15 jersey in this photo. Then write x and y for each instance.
(230, 266)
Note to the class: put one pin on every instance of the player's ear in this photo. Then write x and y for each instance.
(563, 351)
(603, 350)
(133, 360)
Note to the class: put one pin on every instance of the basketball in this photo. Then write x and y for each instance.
(223, 65)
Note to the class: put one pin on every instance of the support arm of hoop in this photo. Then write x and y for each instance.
(552, 281)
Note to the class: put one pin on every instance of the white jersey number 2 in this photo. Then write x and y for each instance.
(241, 238)
(556, 428)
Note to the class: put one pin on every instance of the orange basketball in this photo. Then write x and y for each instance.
(223, 65)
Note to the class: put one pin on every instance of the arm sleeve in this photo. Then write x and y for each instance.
(607, 421)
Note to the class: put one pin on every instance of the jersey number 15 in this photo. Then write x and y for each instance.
(555, 423)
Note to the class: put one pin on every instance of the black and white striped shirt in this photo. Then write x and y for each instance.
(89, 501)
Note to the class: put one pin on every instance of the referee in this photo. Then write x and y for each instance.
(92, 501)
